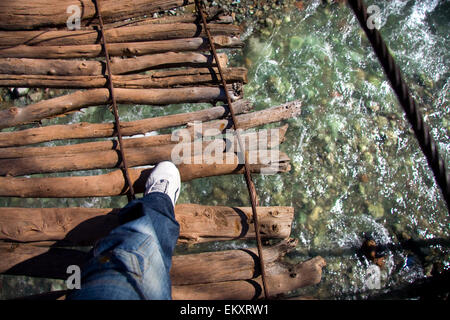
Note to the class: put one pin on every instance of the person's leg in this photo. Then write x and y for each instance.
(134, 260)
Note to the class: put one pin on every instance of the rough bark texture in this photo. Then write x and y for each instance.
(280, 279)
(102, 130)
(161, 79)
(139, 155)
(186, 269)
(32, 14)
(82, 99)
(84, 226)
(255, 119)
(118, 49)
(214, 15)
(41, 261)
(149, 32)
(113, 183)
(133, 143)
(98, 130)
(53, 67)
(227, 223)
(226, 265)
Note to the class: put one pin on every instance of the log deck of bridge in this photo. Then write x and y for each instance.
(155, 61)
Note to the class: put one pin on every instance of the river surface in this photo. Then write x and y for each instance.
(357, 170)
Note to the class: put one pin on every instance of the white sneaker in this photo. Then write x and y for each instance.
(164, 178)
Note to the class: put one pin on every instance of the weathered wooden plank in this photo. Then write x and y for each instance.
(128, 128)
(227, 265)
(32, 14)
(75, 68)
(84, 226)
(280, 279)
(41, 261)
(149, 32)
(152, 79)
(127, 49)
(133, 143)
(113, 183)
(81, 99)
(76, 159)
(214, 15)
(99, 130)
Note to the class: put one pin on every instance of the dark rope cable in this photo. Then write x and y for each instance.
(247, 174)
(124, 167)
(413, 114)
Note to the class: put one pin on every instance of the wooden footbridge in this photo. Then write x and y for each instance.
(154, 61)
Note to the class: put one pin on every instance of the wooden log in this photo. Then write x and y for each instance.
(101, 130)
(227, 223)
(94, 130)
(183, 77)
(198, 224)
(306, 274)
(280, 279)
(227, 265)
(81, 99)
(290, 277)
(186, 269)
(39, 259)
(32, 14)
(52, 262)
(254, 119)
(136, 156)
(53, 67)
(113, 183)
(149, 32)
(133, 143)
(127, 49)
(215, 15)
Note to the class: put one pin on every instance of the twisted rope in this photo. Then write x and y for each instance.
(124, 167)
(247, 174)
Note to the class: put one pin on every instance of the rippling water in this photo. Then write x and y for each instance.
(356, 167)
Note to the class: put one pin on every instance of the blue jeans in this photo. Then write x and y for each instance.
(134, 260)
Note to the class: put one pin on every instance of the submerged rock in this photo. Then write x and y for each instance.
(219, 194)
(374, 81)
(368, 157)
(269, 23)
(295, 44)
(330, 180)
(281, 86)
(361, 189)
(19, 92)
(376, 210)
(382, 121)
(36, 96)
(259, 48)
(360, 74)
(315, 213)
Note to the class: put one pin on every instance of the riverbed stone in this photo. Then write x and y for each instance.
(376, 210)
(314, 216)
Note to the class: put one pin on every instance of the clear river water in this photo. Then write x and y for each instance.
(357, 169)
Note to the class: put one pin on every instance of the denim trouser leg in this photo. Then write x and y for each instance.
(134, 260)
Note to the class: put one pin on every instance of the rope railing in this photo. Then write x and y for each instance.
(247, 173)
(123, 166)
